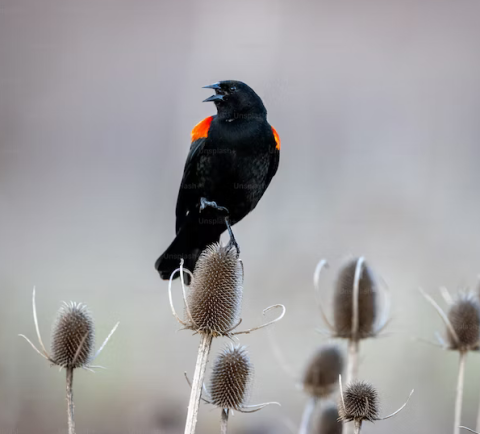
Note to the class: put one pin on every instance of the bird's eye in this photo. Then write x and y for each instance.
(233, 89)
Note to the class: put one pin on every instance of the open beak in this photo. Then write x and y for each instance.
(215, 86)
(218, 95)
(214, 98)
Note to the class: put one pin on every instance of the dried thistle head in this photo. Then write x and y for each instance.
(464, 317)
(73, 337)
(462, 320)
(231, 378)
(322, 372)
(359, 402)
(216, 291)
(213, 304)
(343, 304)
(328, 422)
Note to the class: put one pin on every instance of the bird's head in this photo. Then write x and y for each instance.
(236, 100)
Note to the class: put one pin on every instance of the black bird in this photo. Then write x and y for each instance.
(233, 157)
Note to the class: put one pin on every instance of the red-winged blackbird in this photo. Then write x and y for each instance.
(233, 157)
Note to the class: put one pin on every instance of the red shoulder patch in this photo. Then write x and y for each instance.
(201, 129)
(277, 138)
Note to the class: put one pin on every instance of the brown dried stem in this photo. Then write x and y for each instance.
(197, 385)
(358, 426)
(307, 416)
(353, 342)
(459, 398)
(224, 421)
(352, 366)
(70, 405)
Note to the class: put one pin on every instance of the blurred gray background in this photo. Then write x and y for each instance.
(376, 103)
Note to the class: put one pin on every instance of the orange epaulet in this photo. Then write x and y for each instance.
(277, 138)
(201, 129)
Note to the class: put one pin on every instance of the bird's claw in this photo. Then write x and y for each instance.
(204, 203)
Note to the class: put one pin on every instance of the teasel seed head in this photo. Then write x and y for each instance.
(343, 305)
(73, 337)
(328, 422)
(359, 402)
(215, 296)
(323, 369)
(231, 378)
(464, 316)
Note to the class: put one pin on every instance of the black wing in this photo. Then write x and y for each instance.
(274, 162)
(187, 193)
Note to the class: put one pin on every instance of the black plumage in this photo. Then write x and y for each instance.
(232, 160)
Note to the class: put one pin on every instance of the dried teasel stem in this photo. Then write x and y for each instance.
(352, 366)
(459, 398)
(197, 385)
(353, 343)
(357, 426)
(224, 421)
(305, 426)
(70, 405)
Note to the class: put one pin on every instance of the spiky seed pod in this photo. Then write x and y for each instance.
(231, 378)
(328, 422)
(216, 290)
(361, 402)
(73, 337)
(464, 316)
(343, 302)
(323, 369)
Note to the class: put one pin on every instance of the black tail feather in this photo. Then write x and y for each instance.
(192, 238)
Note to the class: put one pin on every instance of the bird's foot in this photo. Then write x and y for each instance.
(204, 203)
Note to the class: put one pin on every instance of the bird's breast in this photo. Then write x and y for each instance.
(234, 165)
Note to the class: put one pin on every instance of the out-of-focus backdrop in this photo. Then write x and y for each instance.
(377, 106)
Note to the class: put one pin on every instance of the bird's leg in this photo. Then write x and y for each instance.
(204, 203)
(233, 241)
